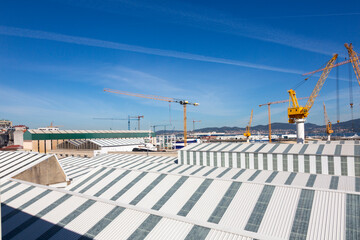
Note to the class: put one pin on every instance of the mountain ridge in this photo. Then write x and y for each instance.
(347, 126)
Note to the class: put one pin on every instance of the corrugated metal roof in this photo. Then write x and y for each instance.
(74, 171)
(279, 148)
(117, 141)
(166, 165)
(227, 205)
(153, 197)
(336, 142)
(45, 212)
(113, 160)
(13, 163)
(73, 142)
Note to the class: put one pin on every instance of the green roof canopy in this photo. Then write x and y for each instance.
(83, 134)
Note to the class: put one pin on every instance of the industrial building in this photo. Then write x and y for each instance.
(121, 196)
(5, 123)
(94, 147)
(166, 165)
(332, 159)
(44, 141)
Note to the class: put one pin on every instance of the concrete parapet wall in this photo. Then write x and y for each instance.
(47, 172)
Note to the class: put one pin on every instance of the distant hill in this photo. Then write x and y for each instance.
(281, 127)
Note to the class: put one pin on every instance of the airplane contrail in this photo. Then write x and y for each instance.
(35, 34)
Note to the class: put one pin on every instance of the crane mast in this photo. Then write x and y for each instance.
(247, 133)
(354, 60)
(296, 113)
(328, 125)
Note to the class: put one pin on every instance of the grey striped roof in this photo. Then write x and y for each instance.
(75, 142)
(75, 167)
(158, 198)
(31, 211)
(278, 178)
(335, 142)
(112, 160)
(246, 208)
(73, 171)
(109, 142)
(281, 148)
(13, 163)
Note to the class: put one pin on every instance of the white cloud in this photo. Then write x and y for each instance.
(34, 34)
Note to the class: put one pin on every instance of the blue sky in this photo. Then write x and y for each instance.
(229, 56)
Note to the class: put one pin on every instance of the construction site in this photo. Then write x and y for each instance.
(194, 120)
(136, 184)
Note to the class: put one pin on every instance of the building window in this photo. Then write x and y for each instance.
(265, 161)
(357, 166)
(331, 165)
(256, 161)
(201, 158)
(238, 157)
(274, 161)
(207, 158)
(344, 171)
(215, 158)
(222, 159)
(194, 157)
(285, 162)
(247, 160)
(307, 163)
(230, 159)
(318, 164)
(188, 157)
(296, 163)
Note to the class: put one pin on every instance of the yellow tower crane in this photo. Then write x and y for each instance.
(354, 60)
(247, 133)
(297, 114)
(166, 99)
(277, 102)
(328, 125)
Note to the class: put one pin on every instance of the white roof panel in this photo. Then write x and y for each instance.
(231, 146)
(279, 215)
(326, 220)
(296, 149)
(311, 149)
(267, 148)
(239, 215)
(205, 206)
(181, 196)
(281, 148)
(347, 150)
(241, 147)
(329, 149)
